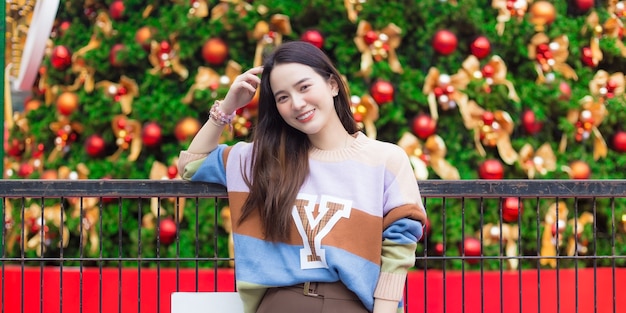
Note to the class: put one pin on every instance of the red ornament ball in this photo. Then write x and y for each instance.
(481, 47)
(167, 231)
(67, 103)
(444, 42)
(172, 171)
(186, 128)
(215, 51)
(530, 123)
(579, 170)
(566, 91)
(14, 147)
(151, 134)
(491, 169)
(512, 208)
(63, 27)
(382, 92)
(584, 5)
(114, 58)
(439, 248)
(313, 37)
(61, 57)
(424, 126)
(619, 141)
(25, 170)
(587, 57)
(117, 9)
(95, 145)
(470, 246)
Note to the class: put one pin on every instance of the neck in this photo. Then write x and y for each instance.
(332, 141)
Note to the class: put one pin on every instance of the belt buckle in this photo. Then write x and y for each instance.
(308, 291)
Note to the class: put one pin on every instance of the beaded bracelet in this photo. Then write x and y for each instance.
(219, 117)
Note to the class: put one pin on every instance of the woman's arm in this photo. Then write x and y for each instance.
(241, 92)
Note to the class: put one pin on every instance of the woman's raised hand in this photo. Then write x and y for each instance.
(242, 90)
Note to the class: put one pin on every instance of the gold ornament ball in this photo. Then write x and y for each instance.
(143, 37)
(49, 174)
(186, 128)
(542, 13)
(579, 170)
(67, 103)
(31, 105)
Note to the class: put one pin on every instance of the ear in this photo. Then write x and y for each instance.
(334, 85)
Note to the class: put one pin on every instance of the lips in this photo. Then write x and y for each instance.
(304, 117)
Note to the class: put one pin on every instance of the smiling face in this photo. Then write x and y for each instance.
(304, 99)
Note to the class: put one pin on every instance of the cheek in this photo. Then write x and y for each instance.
(283, 109)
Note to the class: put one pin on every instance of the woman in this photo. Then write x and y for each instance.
(324, 218)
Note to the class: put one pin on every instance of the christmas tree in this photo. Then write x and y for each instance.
(476, 89)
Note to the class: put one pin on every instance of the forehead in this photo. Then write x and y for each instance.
(287, 74)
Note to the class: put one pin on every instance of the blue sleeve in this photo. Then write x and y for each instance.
(212, 169)
(404, 231)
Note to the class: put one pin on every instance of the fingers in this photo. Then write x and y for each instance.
(249, 79)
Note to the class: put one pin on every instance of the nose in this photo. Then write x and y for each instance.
(298, 101)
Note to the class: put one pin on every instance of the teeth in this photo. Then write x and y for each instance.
(305, 115)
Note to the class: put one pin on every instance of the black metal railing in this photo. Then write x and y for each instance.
(490, 245)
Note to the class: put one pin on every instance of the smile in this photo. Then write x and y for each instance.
(305, 116)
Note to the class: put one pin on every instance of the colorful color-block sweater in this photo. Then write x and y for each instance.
(357, 219)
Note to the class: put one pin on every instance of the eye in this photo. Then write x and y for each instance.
(305, 87)
(281, 99)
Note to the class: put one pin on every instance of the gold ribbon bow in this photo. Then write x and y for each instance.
(607, 86)
(199, 9)
(491, 129)
(165, 59)
(541, 161)
(123, 92)
(378, 45)
(575, 242)
(207, 78)
(432, 153)
(550, 56)
(227, 225)
(353, 8)
(494, 234)
(508, 9)
(587, 119)
(12, 234)
(269, 35)
(103, 28)
(66, 133)
(612, 28)
(493, 72)
(444, 91)
(242, 7)
(41, 226)
(365, 112)
(160, 171)
(87, 206)
(128, 137)
(553, 226)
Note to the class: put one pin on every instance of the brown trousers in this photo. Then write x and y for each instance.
(321, 298)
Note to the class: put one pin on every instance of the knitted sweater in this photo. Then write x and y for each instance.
(357, 219)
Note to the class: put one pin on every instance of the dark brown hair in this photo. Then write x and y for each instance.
(280, 157)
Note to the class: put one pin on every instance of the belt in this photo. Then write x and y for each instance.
(334, 290)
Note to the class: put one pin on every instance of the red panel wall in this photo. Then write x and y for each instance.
(134, 291)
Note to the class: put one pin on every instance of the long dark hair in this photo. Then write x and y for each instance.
(280, 157)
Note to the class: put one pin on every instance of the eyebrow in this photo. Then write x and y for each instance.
(296, 84)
